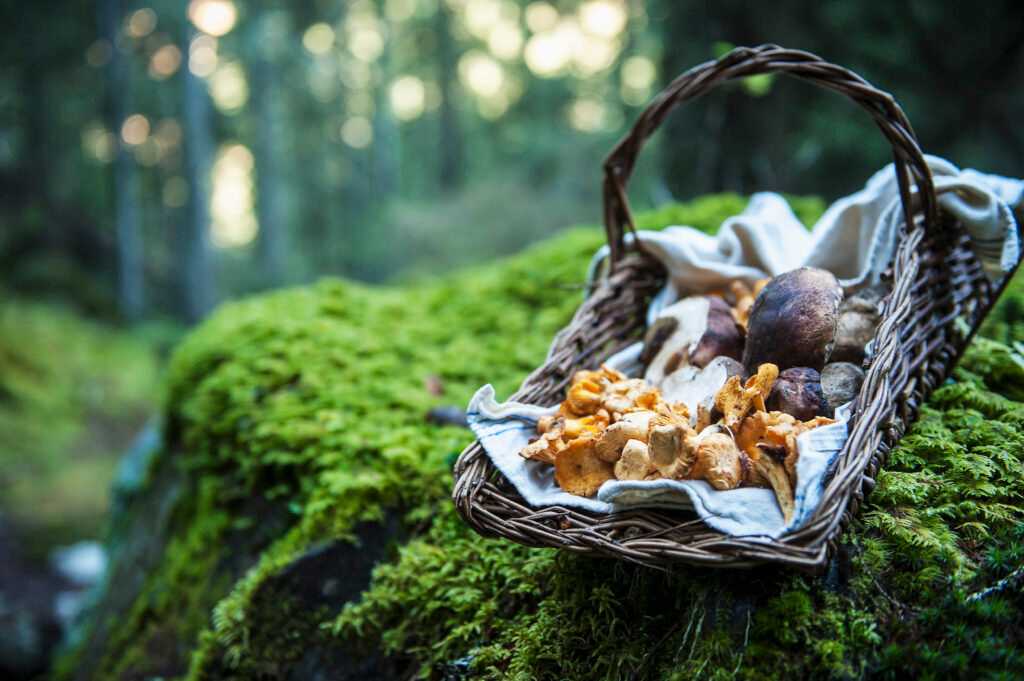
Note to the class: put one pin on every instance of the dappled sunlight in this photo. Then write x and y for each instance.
(229, 88)
(541, 17)
(99, 143)
(202, 55)
(604, 18)
(408, 98)
(164, 62)
(232, 204)
(141, 23)
(216, 17)
(135, 129)
(318, 38)
(357, 132)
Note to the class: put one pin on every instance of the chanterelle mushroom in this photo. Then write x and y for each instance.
(673, 449)
(735, 401)
(718, 461)
(771, 469)
(578, 470)
(635, 463)
(632, 426)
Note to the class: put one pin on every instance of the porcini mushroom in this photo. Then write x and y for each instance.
(798, 392)
(692, 331)
(858, 319)
(697, 387)
(840, 382)
(793, 321)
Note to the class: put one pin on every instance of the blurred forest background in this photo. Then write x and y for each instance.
(158, 157)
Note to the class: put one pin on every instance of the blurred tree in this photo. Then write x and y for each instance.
(130, 259)
(450, 172)
(267, 96)
(196, 272)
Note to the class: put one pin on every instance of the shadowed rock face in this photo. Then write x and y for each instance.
(793, 321)
(29, 629)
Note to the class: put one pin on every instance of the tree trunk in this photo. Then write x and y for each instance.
(196, 269)
(130, 257)
(384, 151)
(450, 137)
(265, 95)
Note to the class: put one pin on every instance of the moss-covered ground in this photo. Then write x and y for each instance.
(312, 400)
(72, 396)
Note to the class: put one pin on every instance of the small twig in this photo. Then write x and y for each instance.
(998, 586)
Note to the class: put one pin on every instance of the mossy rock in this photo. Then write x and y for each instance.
(307, 407)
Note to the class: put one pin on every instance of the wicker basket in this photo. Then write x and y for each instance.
(939, 296)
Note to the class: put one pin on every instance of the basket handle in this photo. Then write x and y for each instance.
(748, 61)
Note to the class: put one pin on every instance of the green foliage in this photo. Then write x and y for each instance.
(72, 395)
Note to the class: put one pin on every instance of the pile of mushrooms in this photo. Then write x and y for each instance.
(731, 379)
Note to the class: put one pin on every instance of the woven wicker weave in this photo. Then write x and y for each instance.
(939, 296)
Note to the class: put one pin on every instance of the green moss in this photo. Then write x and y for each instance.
(72, 395)
(314, 399)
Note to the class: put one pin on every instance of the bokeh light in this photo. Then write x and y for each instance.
(215, 17)
(588, 115)
(480, 16)
(99, 143)
(541, 16)
(167, 135)
(202, 55)
(228, 87)
(400, 10)
(408, 97)
(547, 54)
(135, 129)
(593, 55)
(148, 153)
(164, 62)
(140, 23)
(638, 76)
(231, 205)
(481, 74)
(603, 18)
(505, 40)
(365, 37)
(357, 132)
(318, 38)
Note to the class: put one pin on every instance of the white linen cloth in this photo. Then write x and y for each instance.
(854, 239)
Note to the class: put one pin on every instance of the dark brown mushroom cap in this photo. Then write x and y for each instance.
(723, 337)
(797, 392)
(793, 321)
